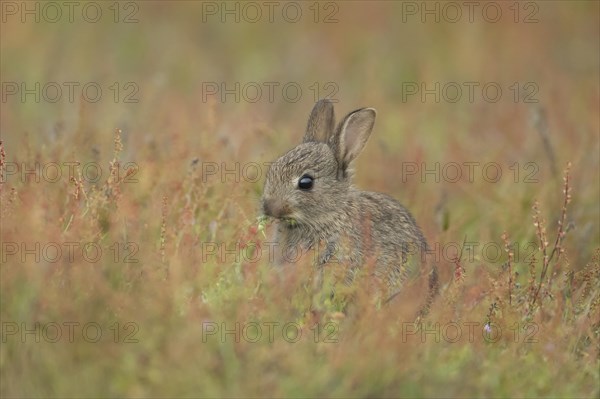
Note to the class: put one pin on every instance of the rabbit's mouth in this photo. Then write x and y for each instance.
(279, 210)
(289, 221)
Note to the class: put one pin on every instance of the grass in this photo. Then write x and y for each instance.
(153, 279)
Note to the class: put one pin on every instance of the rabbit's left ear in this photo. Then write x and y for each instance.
(320, 123)
(352, 135)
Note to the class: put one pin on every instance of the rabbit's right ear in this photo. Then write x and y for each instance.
(321, 122)
(352, 135)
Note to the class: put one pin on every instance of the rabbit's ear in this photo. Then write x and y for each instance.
(321, 122)
(352, 135)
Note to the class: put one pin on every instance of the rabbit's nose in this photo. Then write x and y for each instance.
(274, 208)
(270, 207)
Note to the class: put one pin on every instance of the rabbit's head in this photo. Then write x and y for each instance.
(309, 184)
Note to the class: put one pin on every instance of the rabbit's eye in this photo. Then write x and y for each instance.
(305, 182)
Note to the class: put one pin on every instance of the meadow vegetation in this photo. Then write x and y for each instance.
(139, 266)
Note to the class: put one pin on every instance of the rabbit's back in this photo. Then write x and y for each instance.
(387, 236)
(393, 225)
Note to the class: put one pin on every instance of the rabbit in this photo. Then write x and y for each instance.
(309, 193)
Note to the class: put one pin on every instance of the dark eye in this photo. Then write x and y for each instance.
(305, 182)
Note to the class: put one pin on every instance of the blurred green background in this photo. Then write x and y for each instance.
(168, 56)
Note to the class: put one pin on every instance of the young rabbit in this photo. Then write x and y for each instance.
(310, 194)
